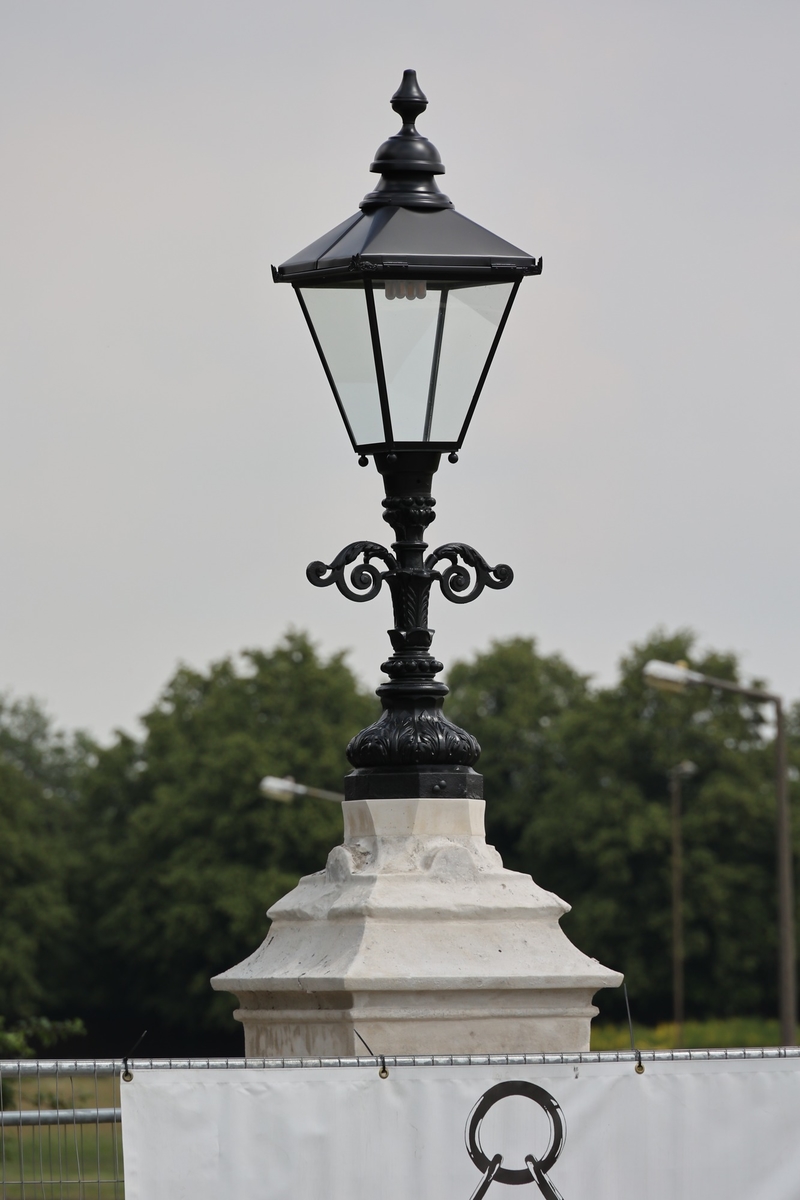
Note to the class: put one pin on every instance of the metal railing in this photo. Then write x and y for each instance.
(60, 1130)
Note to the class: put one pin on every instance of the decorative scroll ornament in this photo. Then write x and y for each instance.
(455, 581)
(365, 581)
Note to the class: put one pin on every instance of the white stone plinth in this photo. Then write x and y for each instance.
(416, 936)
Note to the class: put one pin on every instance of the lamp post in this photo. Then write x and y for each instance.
(676, 775)
(414, 938)
(406, 303)
(677, 677)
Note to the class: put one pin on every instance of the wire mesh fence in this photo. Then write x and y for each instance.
(60, 1131)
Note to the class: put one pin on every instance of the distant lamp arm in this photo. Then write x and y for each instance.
(670, 677)
(285, 789)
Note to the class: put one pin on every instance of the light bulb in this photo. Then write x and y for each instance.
(410, 289)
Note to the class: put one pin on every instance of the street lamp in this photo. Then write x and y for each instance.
(677, 677)
(406, 302)
(676, 776)
(414, 937)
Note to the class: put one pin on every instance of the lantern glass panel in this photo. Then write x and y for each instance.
(341, 323)
(407, 315)
(470, 325)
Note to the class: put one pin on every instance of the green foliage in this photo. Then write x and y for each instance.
(43, 754)
(27, 1037)
(577, 795)
(34, 911)
(184, 853)
(512, 698)
(39, 769)
(40, 773)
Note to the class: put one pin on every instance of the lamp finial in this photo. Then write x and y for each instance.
(407, 162)
(409, 100)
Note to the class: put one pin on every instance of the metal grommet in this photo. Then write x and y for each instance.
(384, 1071)
(127, 1075)
(639, 1068)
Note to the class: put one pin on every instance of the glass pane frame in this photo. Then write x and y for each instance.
(389, 443)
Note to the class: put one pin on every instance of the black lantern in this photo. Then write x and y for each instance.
(406, 303)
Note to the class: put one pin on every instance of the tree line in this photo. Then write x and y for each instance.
(133, 872)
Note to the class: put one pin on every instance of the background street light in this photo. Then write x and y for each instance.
(284, 790)
(677, 677)
(676, 775)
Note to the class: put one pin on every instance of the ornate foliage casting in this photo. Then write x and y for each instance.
(413, 738)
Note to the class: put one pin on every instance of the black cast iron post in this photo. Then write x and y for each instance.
(412, 749)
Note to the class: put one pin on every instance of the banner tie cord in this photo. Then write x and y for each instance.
(127, 1074)
(639, 1068)
(384, 1070)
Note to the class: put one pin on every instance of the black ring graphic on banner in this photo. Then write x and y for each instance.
(517, 1087)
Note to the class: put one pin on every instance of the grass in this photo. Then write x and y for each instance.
(699, 1035)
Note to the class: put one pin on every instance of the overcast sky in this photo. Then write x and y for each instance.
(170, 454)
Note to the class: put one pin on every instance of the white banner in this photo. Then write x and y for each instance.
(692, 1130)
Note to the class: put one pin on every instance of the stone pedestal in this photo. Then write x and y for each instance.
(416, 936)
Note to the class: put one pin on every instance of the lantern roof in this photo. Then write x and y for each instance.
(406, 228)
